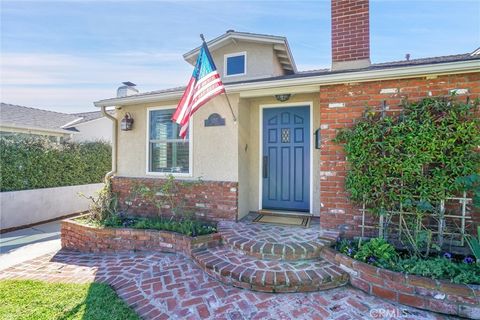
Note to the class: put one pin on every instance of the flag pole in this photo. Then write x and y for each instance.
(226, 95)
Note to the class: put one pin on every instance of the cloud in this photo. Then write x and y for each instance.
(58, 81)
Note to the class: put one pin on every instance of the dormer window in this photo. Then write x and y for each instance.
(235, 64)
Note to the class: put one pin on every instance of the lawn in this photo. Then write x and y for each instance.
(41, 300)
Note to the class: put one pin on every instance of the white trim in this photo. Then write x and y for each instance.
(147, 150)
(325, 79)
(37, 129)
(230, 55)
(69, 124)
(260, 151)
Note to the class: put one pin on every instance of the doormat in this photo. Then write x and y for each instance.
(283, 220)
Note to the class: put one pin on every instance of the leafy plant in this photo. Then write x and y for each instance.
(37, 162)
(347, 247)
(378, 252)
(184, 226)
(165, 197)
(104, 204)
(470, 183)
(474, 244)
(440, 268)
(415, 157)
(414, 162)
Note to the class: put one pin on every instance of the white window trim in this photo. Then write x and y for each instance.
(236, 54)
(260, 143)
(147, 150)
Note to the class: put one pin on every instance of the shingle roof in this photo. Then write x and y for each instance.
(319, 72)
(21, 116)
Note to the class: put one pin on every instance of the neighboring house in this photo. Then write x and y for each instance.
(87, 126)
(279, 153)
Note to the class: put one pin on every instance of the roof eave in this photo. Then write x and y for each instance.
(33, 128)
(325, 79)
(236, 35)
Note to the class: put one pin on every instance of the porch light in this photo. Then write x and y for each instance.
(283, 97)
(127, 122)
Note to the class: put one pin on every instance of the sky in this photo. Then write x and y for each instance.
(64, 55)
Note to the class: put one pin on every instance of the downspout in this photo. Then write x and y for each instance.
(114, 143)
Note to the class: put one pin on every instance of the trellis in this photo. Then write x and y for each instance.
(441, 215)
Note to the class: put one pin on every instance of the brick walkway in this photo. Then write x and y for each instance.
(170, 286)
(267, 241)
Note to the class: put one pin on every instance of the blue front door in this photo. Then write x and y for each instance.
(286, 158)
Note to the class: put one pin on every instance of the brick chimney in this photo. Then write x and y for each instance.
(350, 34)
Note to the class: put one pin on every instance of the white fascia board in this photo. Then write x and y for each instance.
(33, 128)
(69, 124)
(326, 79)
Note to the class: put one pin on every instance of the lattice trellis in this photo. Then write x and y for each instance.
(441, 217)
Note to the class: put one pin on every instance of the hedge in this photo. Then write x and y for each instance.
(36, 162)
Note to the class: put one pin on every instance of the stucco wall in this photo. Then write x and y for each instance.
(261, 60)
(19, 208)
(224, 153)
(215, 152)
(243, 158)
(98, 129)
(254, 152)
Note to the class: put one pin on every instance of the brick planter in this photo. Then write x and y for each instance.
(77, 236)
(420, 292)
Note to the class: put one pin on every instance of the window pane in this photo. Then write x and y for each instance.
(161, 125)
(169, 157)
(168, 153)
(236, 65)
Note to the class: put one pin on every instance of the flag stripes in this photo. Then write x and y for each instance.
(204, 85)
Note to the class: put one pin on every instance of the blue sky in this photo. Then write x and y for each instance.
(63, 55)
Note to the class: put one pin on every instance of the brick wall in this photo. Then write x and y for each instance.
(341, 105)
(208, 200)
(419, 292)
(350, 30)
(77, 236)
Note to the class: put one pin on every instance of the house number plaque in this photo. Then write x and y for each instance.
(214, 120)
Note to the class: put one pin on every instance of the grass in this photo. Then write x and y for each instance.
(36, 300)
(189, 227)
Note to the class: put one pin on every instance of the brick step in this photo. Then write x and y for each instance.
(246, 272)
(271, 249)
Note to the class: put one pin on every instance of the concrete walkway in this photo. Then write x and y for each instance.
(25, 244)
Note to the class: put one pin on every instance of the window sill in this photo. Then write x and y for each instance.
(166, 174)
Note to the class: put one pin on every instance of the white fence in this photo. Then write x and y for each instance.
(19, 208)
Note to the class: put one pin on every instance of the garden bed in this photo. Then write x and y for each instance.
(412, 290)
(78, 234)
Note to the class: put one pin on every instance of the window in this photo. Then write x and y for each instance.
(168, 153)
(236, 64)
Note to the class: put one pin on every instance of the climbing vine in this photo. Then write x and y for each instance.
(416, 158)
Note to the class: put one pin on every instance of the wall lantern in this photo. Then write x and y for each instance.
(283, 97)
(127, 122)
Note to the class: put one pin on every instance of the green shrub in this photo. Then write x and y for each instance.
(441, 268)
(187, 226)
(416, 158)
(37, 162)
(378, 252)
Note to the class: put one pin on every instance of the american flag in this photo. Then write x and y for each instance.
(204, 85)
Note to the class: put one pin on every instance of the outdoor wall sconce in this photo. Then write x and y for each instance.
(283, 97)
(127, 122)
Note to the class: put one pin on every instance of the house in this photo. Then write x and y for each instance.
(86, 126)
(275, 152)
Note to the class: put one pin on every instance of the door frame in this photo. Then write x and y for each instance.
(308, 104)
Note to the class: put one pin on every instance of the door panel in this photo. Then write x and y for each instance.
(286, 150)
